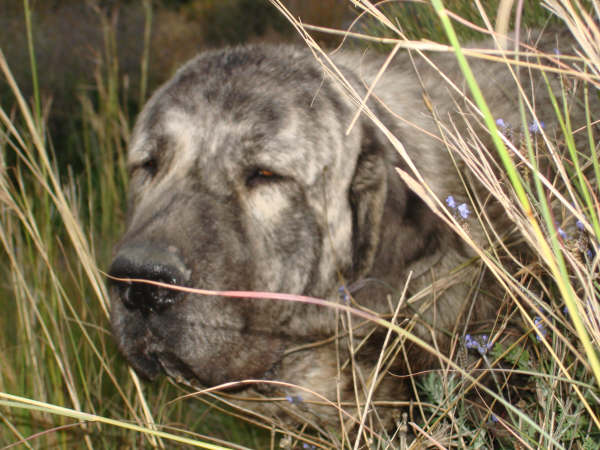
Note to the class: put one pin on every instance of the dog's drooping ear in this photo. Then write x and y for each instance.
(368, 191)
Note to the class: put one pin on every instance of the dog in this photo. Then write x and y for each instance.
(245, 175)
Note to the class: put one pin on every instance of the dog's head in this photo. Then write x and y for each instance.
(242, 177)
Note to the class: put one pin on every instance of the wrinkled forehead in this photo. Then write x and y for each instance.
(247, 124)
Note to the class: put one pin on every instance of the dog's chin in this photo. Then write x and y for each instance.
(146, 366)
(287, 402)
(177, 370)
(152, 365)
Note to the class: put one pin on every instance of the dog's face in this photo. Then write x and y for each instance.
(242, 178)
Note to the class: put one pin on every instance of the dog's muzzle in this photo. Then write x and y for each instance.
(154, 264)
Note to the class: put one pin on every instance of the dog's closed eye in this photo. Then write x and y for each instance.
(259, 176)
(146, 168)
(150, 166)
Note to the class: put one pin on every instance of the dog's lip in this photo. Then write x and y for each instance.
(145, 365)
(177, 370)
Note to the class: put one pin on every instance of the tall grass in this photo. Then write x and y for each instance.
(554, 208)
(63, 385)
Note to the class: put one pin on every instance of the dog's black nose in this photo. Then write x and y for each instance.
(154, 266)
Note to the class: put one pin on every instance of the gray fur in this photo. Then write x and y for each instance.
(335, 213)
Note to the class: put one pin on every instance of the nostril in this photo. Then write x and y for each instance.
(146, 297)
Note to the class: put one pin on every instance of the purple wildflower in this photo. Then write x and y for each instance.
(464, 211)
(562, 233)
(493, 418)
(536, 127)
(580, 225)
(463, 208)
(344, 294)
(485, 344)
(469, 341)
(539, 324)
(482, 345)
(501, 123)
(450, 202)
(293, 399)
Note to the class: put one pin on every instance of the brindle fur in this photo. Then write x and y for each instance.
(334, 212)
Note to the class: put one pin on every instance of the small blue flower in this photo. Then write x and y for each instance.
(293, 399)
(562, 233)
(344, 294)
(464, 211)
(485, 345)
(482, 345)
(501, 123)
(536, 127)
(580, 225)
(539, 324)
(450, 202)
(590, 253)
(308, 446)
(493, 418)
(469, 341)
(556, 51)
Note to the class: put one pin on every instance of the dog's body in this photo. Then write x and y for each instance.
(243, 178)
